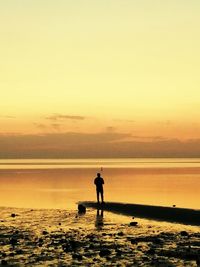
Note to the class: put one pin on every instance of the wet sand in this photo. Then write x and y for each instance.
(55, 237)
(169, 214)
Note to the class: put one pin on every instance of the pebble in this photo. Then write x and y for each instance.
(134, 242)
(104, 252)
(133, 223)
(151, 251)
(81, 208)
(13, 241)
(3, 254)
(120, 234)
(118, 252)
(19, 251)
(77, 257)
(184, 233)
(4, 262)
(45, 232)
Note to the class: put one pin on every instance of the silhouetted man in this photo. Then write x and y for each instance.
(98, 181)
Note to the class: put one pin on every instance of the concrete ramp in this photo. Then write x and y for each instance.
(169, 214)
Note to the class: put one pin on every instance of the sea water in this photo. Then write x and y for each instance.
(61, 183)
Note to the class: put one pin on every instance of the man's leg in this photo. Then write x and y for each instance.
(102, 196)
(97, 196)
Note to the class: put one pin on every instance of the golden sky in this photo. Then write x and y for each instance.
(111, 66)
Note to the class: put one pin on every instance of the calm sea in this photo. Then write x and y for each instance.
(53, 183)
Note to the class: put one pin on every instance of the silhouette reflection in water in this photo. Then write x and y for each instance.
(99, 218)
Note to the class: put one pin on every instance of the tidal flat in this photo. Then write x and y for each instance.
(55, 237)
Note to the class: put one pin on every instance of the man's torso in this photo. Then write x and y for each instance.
(99, 183)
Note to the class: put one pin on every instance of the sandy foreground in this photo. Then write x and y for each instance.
(33, 237)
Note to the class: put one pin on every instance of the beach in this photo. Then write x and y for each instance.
(150, 217)
(54, 237)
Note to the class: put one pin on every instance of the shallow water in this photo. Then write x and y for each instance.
(62, 183)
(42, 237)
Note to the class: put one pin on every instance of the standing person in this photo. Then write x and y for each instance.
(98, 181)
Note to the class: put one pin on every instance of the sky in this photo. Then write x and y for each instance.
(115, 76)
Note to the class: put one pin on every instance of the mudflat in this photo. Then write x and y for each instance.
(55, 237)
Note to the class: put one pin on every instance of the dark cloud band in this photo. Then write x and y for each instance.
(108, 144)
(56, 117)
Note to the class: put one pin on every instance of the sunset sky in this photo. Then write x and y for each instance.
(116, 75)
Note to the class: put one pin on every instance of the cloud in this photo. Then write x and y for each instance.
(56, 117)
(8, 117)
(141, 137)
(55, 144)
(56, 126)
(96, 145)
(110, 129)
(120, 120)
(40, 126)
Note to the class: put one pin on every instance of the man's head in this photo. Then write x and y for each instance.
(98, 174)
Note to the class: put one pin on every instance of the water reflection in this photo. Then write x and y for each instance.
(99, 218)
(64, 188)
